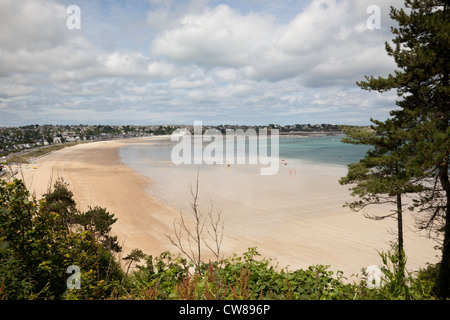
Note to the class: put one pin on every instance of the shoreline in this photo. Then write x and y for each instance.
(299, 229)
(98, 178)
(299, 221)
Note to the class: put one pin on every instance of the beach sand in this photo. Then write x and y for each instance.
(98, 178)
(298, 220)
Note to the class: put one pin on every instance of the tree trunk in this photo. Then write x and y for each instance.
(442, 287)
(443, 281)
(401, 252)
(400, 225)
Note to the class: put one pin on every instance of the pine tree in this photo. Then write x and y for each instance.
(380, 177)
(421, 51)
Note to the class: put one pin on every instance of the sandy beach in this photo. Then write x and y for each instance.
(98, 178)
(297, 220)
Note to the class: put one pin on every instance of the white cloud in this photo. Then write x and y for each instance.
(218, 37)
(31, 25)
(15, 90)
(167, 13)
(218, 62)
(226, 74)
(325, 37)
(313, 28)
(184, 83)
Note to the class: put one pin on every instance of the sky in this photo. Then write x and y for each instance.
(146, 62)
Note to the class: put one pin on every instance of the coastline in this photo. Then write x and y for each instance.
(298, 221)
(98, 178)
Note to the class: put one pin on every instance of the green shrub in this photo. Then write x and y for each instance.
(38, 242)
(239, 278)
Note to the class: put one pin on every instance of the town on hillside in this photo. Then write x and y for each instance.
(19, 139)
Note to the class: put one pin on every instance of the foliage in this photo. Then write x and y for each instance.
(397, 283)
(421, 79)
(98, 221)
(380, 177)
(37, 246)
(263, 279)
(238, 278)
(247, 278)
(60, 201)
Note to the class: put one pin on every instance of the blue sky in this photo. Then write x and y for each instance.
(220, 62)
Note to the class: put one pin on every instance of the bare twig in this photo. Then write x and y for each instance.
(217, 232)
(189, 239)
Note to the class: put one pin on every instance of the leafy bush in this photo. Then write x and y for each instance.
(239, 278)
(39, 241)
(398, 283)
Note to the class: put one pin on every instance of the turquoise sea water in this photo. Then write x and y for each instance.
(326, 149)
(321, 149)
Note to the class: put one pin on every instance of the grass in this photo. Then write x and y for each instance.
(24, 158)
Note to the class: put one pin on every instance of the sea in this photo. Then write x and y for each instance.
(322, 149)
(318, 149)
(152, 158)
